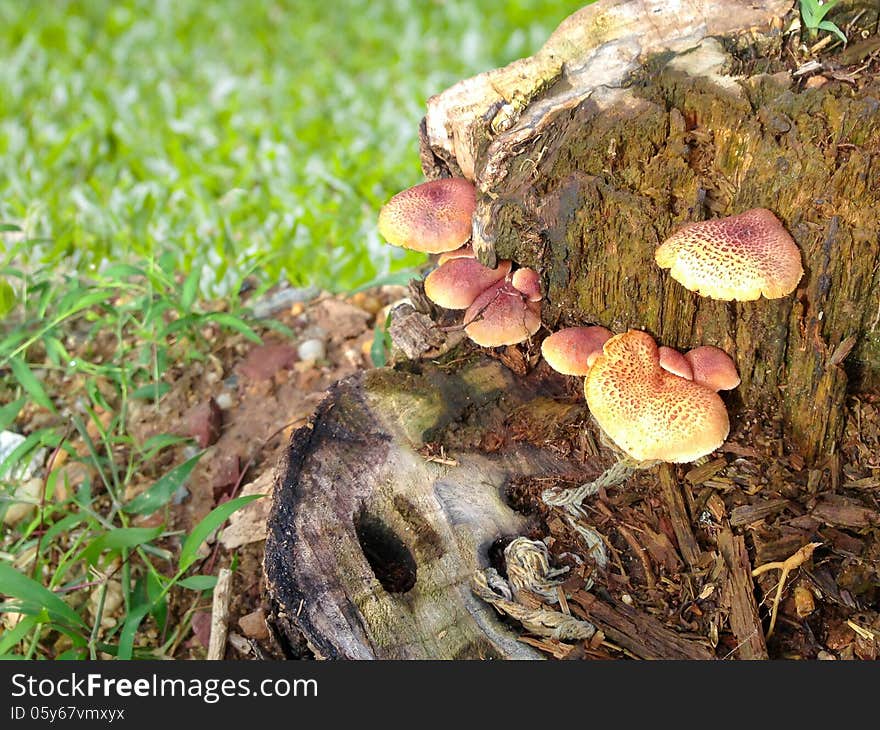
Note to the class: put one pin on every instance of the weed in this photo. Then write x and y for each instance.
(813, 13)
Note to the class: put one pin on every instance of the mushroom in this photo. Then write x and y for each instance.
(502, 315)
(459, 281)
(528, 282)
(739, 257)
(649, 413)
(432, 217)
(674, 362)
(713, 368)
(571, 349)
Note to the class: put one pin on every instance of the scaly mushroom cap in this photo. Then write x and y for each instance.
(502, 315)
(674, 362)
(739, 257)
(713, 368)
(432, 217)
(568, 349)
(647, 411)
(459, 281)
(528, 281)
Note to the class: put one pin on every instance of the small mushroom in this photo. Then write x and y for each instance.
(432, 217)
(651, 414)
(674, 362)
(528, 281)
(459, 281)
(571, 349)
(713, 368)
(502, 315)
(738, 257)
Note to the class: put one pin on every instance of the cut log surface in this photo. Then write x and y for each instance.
(373, 541)
(638, 116)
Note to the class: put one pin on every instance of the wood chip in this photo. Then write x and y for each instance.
(739, 595)
(746, 514)
(681, 524)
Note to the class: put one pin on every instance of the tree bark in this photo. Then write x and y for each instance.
(641, 115)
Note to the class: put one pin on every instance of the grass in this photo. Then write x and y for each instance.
(84, 548)
(156, 155)
(228, 131)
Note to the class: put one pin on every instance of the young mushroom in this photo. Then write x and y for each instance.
(713, 368)
(570, 351)
(503, 315)
(740, 257)
(457, 282)
(432, 217)
(674, 362)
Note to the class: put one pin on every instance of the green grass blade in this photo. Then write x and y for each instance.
(19, 586)
(234, 323)
(117, 539)
(161, 492)
(129, 630)
(211, 522)
(9, 413)
(33, 387)
(198, 582)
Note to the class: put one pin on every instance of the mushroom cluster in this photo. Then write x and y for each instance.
(654, 402)
(502, 305)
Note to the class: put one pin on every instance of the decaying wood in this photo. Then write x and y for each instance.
(220, 614)
(739, 595)
(636, 117)
(681, 523)
(641, 634)
(373, 540)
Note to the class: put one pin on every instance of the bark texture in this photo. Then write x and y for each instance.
(373, 539)
(639, 116)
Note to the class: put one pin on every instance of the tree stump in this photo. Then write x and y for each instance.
(635, 117)
(640, 115)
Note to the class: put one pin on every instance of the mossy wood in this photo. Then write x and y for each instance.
(641, 115)
(373, 539)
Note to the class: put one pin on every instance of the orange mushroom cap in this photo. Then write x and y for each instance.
(648, 412)
(713, 368)
(459, 281)
(739, 257)
(502, 315)
(567, 350)
(674, 362)
(433, 217)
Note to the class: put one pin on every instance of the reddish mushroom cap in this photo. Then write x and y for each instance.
(674, 362)
(739, 257)
(648, 412)
(459, 281)
(568, 350)
(432, 217)
(713, 368)
(501, 315)
(528, 281)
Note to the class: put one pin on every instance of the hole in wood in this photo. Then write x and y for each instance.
(391, 561)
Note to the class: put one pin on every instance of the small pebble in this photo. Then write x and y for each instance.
(224, 400)
(312, 349)
(254, 625)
